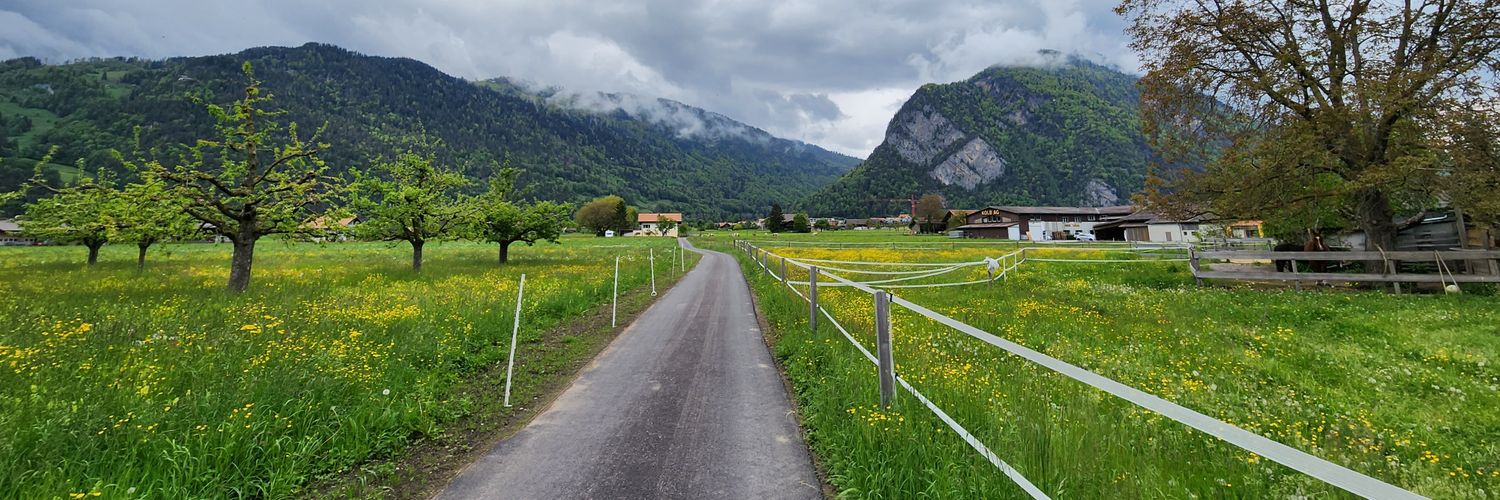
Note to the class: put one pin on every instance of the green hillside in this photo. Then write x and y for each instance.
(373, 104)
(1065, 134)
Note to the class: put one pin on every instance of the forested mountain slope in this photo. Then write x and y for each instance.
(371, 105)
(1063, 134)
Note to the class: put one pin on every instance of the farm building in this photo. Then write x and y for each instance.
(658, 224)
(1147, 226)
(1036, 223)
(10, 234)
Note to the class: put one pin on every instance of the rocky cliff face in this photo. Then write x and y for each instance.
(1066, 134)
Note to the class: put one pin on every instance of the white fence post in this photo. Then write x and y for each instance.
(812, 298)
(652, 258)
(516, 328)
(883, 348)
(614, 303)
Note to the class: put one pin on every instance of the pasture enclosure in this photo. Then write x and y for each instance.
(1370, 391)
(161, 385)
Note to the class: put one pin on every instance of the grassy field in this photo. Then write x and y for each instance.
(161, 385)
(1402, 388)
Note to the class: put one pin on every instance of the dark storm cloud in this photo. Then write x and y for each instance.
(830, 73)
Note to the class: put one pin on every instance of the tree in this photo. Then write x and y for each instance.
(500, 221)
(929, 213)
(799, 224)
(256, 179)
(632, 219)
(409, 198)
(1309, 110)
(83, 213)
(959, 218)
(822, 225)
(149, 212)
(773, 220)
(603, 214)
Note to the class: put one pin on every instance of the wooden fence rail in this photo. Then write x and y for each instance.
(1447, 257)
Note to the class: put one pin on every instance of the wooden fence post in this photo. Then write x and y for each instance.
(883, 348)
(812, 298)
(1193, 264)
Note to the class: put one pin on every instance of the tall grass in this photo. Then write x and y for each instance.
(1402, 388)
(161, 385)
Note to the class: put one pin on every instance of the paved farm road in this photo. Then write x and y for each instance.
(685, 403)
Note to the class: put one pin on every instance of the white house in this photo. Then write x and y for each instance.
(663, 224)
(10, 234)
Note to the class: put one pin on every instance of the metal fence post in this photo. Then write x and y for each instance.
(883, 348)
(516, 328)
(614, 303)
(812, 298)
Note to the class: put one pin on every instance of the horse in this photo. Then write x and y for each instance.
(1316, 244)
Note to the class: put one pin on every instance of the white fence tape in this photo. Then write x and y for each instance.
(1323, 470)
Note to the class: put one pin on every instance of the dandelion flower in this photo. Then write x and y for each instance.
(385, 392)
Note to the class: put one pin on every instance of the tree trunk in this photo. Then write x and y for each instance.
(140, 258)
(416, 255)
(239, 264)
(93, 247)
(1373, 209)
(505, 251)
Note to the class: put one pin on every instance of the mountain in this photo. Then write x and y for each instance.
(1066, 133)
(660, 155)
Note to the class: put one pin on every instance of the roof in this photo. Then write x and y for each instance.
(856, 221)
(1114, 210)
(661, 217)
(9, 226)
(1141, 217)
(988, 225)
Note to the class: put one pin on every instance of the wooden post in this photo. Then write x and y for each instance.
(812, 298)
(783, 269)
(1193, 264)
(1295, 270)
(883, 348)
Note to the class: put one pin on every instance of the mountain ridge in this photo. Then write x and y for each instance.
(1064, 133)
(370, 102)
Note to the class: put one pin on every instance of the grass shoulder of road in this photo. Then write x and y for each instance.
(1397, 387)
(159, 384)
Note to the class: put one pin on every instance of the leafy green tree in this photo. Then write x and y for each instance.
(603, 214)
(84, 213)
(958, 219)
(822, 225)
(773, 219)
(150, 212)
(499, 220)
(409, 198)
(1337, 109)
(632, 219)
(799, 224)
(256, 179)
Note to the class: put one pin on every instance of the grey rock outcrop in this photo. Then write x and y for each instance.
(919, 137)
(974, 164)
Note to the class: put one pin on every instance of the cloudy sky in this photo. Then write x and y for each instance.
(830, 73)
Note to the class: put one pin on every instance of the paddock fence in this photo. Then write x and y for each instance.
(769, 263)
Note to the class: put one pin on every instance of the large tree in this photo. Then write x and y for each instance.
(84, 212)
(773, 220)
(500, 220)
(257, 178)
(409, 198)
(150, 212)
(1316, 112)
(929, 213)
(603, 214)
